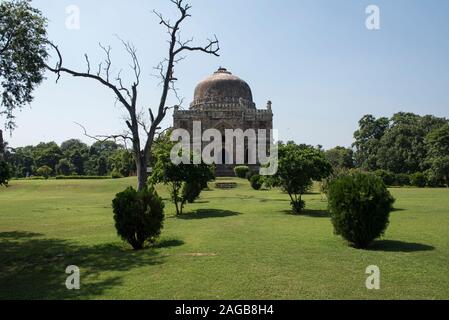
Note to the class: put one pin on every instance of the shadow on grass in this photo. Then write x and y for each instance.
(208, 213)
(32, 267)
(309, 213)
(169, 243)
(399, 246)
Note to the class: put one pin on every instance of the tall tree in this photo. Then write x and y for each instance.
(367, 139)
(340, 158)
(23, 41)
(128, 96)
(437, 143)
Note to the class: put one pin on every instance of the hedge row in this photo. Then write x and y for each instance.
(418, 179)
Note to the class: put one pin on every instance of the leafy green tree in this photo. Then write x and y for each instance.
(440, 169)
(298, 166)
(367, 140)
(397, 145)
(185, 181)
(77, 159)
(47, 154)
(122, 162)
(44, 171)
(104, 148)
(437, 142)
(340, 158)
(64, 167)
(102, 166)
(402, 148)
(23, 40)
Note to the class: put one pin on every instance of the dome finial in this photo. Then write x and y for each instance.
(222, 70)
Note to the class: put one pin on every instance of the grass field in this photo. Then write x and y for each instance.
(231, 244)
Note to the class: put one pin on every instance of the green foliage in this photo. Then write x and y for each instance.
(191, 191)
(418, 179)
(367, 141)
(401, 180)
(177, 176)
(438, 157)
(298, 166)
(122, 161)
(64, 167)
(340, 158)
(360, 205)
(440, 169)
(249, 174)
(44, 171)
(241, 171)
(5, 173)
(398, 144)
(138, 216)
(72, 157)
(23, 41)
(116, 175)
(256, 182)
(387, 177)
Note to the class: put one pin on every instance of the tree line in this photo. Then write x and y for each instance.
(71, 158)
(403, 149)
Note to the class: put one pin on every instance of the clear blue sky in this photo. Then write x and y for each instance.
(315, 60)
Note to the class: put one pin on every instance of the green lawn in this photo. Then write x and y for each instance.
(231, 244)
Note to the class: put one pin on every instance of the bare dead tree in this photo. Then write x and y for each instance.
(128, 97)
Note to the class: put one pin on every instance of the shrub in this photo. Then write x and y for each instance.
(431, 179)
(191, 191)
(5, 173)
(387, 177)
(116, 175)
(241, 171)
(401, 179)
(249, 174)
(418, 179)
(44, 171)
(360, 205)
(256, 182)
(138, 216)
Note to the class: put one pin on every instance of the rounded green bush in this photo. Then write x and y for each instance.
(256, 182)
(418, 180)
(387, 177)
(191, 191)
(360, 206)
(138, 216)
(241, 171)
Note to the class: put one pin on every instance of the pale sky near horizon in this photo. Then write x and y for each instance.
(315, 59)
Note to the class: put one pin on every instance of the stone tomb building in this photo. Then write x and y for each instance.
(224, 101)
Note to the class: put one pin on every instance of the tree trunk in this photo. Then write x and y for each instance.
(142, 174)
(2, 147)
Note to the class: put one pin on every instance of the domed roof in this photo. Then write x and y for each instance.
(222, 85)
